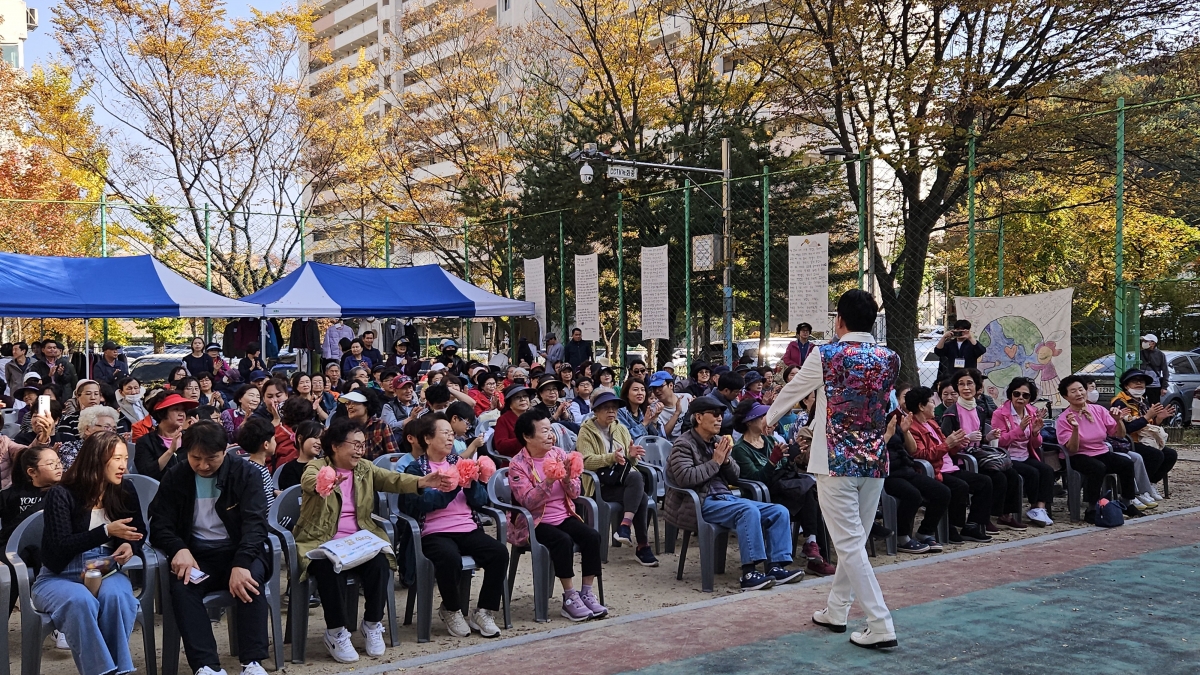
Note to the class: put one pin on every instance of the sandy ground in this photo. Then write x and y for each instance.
(629, 589)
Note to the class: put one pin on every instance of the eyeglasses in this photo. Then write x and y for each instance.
(356, 445)
(56, 464)
(105, 427)
(1022, 394)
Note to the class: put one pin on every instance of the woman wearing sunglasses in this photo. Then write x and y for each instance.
(1020, 426)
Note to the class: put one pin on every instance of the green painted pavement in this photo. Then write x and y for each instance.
(1137, 616)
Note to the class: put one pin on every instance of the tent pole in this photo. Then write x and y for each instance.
(87, 350)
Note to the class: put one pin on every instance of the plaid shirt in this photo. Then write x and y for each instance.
(380, 440)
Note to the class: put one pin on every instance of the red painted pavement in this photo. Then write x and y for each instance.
(654, 640)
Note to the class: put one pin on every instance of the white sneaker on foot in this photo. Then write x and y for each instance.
(339, 646)
(252, 668)
(60, 641)
(1039, 517)
(1154, 493)
(481, 620)
(205, 670)
(1146, 499)
(372, 633)
(870, 640)
(456, 625)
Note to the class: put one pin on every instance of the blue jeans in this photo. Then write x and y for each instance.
(97, 628)
(749, 519)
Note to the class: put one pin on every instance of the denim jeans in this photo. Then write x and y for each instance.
(97, 627)
(749, 519)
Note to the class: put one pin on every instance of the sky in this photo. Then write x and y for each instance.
(41, 47)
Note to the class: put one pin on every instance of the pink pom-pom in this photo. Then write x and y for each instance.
(468, 472)
(574, 465)
(487, 469)
(326, 481)
(554, 469)
(453, 474)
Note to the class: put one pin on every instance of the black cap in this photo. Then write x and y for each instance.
(705, 404)
(109, 345)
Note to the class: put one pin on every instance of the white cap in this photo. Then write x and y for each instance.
(32, 376)
(354, 397)
(1150, 337)
(436, 367)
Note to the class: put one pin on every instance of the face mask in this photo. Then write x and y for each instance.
(1134, 392)
(1145, 345)
(133, 397)
(1093, 396)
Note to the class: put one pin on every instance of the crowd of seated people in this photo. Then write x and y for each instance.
(441, 426)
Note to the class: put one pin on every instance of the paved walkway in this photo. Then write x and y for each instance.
(1083, 601)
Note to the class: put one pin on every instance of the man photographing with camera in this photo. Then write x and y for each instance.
(957, 349)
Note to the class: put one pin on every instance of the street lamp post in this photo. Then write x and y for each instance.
(590, 153)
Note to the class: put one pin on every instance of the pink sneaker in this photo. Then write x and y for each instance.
(573, 607)
(598, 610)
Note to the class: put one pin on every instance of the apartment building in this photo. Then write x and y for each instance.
(16, 20)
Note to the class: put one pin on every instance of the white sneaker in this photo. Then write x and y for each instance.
(1039, 517)
(1138, 504)
(1146, 499)
(252, 668)
(1154, 493)
(456, 625)
(481, 620)
(205, 670)
(373, 637)
(60, 641)
(340, 647)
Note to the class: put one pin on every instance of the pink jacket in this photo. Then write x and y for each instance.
(8, 452)
(1005, 419)
(532, 491)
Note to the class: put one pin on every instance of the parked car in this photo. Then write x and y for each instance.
(135, 351)
(775, 349)
(1179, 396)
(154, 367)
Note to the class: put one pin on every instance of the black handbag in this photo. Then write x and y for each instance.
(615, 474)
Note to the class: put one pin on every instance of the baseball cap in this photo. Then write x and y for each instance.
(704, 404)
(436, 367)
(32, 376)
(401, 381)
(109, 345)
(1150, 337)
(353, 397)
(660, 378)
(258, 375)
(212, 346)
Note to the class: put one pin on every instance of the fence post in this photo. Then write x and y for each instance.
(687, 267)
(1000, 257)
(1119, 347)
(207, 267)
(764, 336)
(562, 280)
(467, 275)
(387, 243)
(862, 215)
(619, 363)
(971, 213)
(512, 324)
(104, 242)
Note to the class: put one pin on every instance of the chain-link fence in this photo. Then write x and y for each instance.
(1101, 200)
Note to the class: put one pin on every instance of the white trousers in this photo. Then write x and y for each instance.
(848, 507)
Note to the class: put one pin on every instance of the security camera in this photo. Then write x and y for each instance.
(586, 173)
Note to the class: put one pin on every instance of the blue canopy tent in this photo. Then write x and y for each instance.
(317, 289)
(137, 287)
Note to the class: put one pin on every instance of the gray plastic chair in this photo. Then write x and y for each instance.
(611, 513)
(171, 636)
(943, 526)
(275, 476)
(714, 542)
(5, 593)
(657, 450)
(420, 594)
(543, 569)
(281, 518)
(36, 625)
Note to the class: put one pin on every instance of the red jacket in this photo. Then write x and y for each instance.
(931, 445)
(285, 447)
(504, 435)
(792, 356)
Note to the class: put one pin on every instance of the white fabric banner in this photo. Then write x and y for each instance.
(535, 291)
(1025, 336)
(655, 304)
(808, 281)
(587, 296)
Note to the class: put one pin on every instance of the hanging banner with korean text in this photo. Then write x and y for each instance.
(655, 307)
(535, 291)
(587, 296)
(808, 281)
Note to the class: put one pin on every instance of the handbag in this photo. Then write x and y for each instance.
(991, 459)
(615, 474)
(1154, 436)
(1109, 511)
